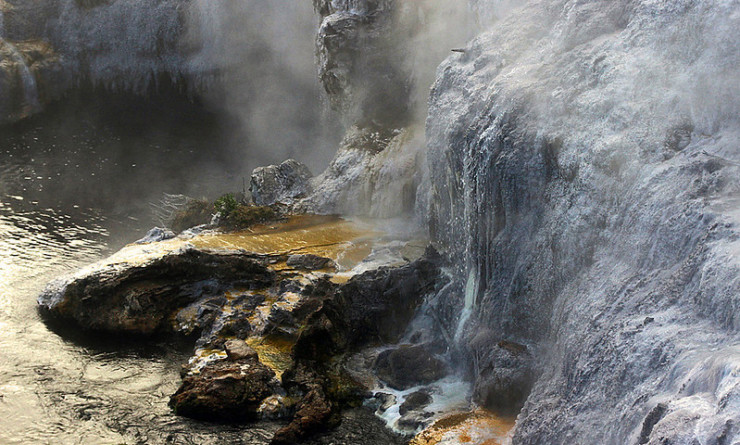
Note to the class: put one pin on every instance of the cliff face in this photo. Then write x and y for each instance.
(53, 46)
(584, 161)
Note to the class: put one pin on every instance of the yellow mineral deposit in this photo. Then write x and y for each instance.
(273, 352)
(478, 427)
(345, 242)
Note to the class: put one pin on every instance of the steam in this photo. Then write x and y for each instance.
(262, 54)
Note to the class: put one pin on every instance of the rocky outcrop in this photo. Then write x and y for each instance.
(140, 299)
(271, 332)
(281, 183)
(360, 66)
(374, 173)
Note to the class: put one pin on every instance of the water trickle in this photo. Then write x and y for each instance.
(30, 90)
(471, 290)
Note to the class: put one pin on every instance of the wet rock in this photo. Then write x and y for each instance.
(409, 366)
(372, 308)
(141, 298)
(155, 235)
(310, 262)
(415, 402)
(239, 350)
(359, 426)
(505, 374)
(313, 415)
(225, 391)
(279, 183)
(414, 420)
(382, 401)
(236, 325)
(276, 407)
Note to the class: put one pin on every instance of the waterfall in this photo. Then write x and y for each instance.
(30, 90)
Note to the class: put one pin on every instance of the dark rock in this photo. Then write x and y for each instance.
(140, 299)
(414, 420)
(372, 308)
(309, 262)
(313, 415)
(505, 373)
(224, 391)
(415, 402)
(409, 366)
(278, 183)
(238, 350)
(359, 426)
(383, 401)
(650, 421)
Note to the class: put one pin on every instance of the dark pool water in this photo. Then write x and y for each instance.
(75, 184)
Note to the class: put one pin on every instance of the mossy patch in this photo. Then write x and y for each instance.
(244, 216)
(194, 213)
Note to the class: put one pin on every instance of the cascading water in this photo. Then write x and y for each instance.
(30, 90)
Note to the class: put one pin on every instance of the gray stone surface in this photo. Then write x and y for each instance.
(280, 183)
(585, 227)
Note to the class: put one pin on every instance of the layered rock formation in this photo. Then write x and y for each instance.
(583, 166)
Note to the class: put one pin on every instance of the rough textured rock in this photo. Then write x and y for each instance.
(409, 366)
(582, 188)
(372, 308)
(374, 173)
(280, 183)
(415, 401)
(359, 68)
(504, 373)
(225, 391)
(139, 299)
(309, 262)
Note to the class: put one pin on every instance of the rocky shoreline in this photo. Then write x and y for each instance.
(274, 333)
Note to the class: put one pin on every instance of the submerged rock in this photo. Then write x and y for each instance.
(280, 183)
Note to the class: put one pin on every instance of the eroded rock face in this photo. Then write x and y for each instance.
(585, 189)
(359, 65)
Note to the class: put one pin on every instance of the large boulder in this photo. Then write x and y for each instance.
(409, 366)
(227, 390)
(140, 298)
(505, 373)
(280, 183)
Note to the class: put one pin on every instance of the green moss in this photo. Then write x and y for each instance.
(195, 212)
(226, 205)
(243, 216)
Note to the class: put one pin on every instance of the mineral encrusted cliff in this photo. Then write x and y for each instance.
(583, 171)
